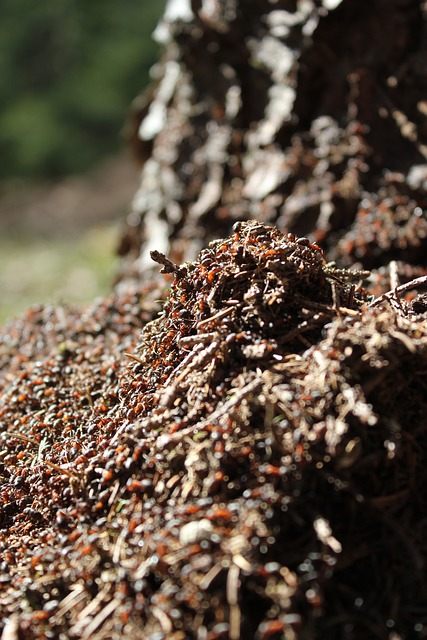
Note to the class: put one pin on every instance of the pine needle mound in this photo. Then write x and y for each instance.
(250, 466)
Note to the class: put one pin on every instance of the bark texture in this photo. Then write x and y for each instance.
(310, 115)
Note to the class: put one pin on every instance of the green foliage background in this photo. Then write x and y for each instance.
(68, 71)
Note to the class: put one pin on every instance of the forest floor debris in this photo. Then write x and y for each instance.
(253, 470)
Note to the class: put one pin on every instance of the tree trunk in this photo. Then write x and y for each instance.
(310, 115)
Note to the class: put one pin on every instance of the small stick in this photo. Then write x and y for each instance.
(52, 465)
(223, 410)
(217, 316)
(394, 275)
(190, 341)
(394, 283)
(21, 436)
(134, 357)
(11, 628)
(413, 284)
(232, 591)
(336, 298)
(168, 265)
(351, 296)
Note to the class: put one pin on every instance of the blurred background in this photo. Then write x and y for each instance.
(69, 70)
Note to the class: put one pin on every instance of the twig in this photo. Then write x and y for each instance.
(67, 472)
(224, 409)
(394, 275)
(190, 341)
(217, 316)
(413, 284)
(11, 628)
(168, 265)
(336, 298)
(134, 357)
(21, 436)
(98, 620)
(200, 358)
(232, 590)
(70, 601)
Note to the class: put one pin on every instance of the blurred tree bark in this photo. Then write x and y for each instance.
(309, 114)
